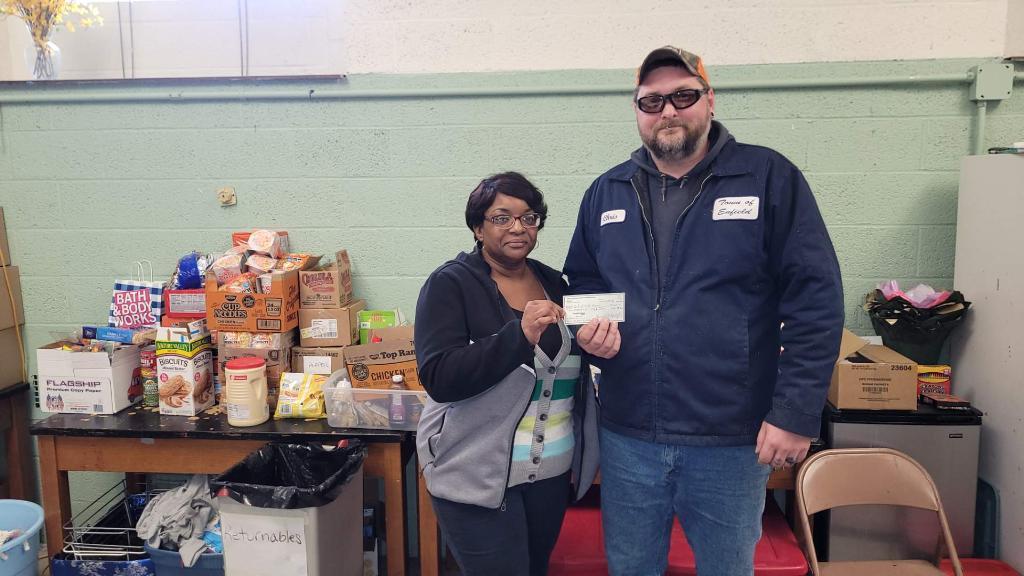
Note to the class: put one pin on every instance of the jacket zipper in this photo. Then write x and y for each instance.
(583, 380)
(657, 303)
(511, 443)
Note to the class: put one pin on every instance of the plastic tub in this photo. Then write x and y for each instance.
(168, 563)
(23, 552)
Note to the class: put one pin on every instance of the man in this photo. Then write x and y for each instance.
(725, 261)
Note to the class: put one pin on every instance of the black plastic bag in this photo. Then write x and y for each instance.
(917, 333)
(289, 476)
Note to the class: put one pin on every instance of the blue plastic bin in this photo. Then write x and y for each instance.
(27, 517)
(168, 563)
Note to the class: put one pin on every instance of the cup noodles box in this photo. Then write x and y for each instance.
(871, 377)
(373, 365)
(275, 311)
(327, 286)
(184, 368)
(934, 379)
(84, 382)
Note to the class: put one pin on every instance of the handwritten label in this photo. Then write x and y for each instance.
(736, 208)
(256, 545)
(584, 307)
(612, 216)
(316, 364)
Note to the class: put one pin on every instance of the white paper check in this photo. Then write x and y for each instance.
(584, 307)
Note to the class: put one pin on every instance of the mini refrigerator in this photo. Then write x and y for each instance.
(945, 442)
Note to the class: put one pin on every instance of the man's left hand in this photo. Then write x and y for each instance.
(780, 448)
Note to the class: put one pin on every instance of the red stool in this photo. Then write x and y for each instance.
(981, 567)
(580, 547)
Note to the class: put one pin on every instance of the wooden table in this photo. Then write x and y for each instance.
(14, 420)
(139, 440)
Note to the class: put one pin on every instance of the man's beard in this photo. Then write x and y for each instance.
(676, 147)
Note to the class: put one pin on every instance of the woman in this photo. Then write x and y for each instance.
(511, 421)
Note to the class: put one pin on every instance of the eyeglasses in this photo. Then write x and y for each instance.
(507, 221)
(680, 99)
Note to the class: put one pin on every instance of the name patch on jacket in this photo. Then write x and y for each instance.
(613, 216)
(736, 208)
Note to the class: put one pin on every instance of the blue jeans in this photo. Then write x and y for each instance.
(718, 493)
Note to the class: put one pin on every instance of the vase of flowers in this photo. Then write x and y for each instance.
(43, 18)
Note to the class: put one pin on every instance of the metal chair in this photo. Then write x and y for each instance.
(865, 476)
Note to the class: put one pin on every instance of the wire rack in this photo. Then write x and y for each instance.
(105, 529)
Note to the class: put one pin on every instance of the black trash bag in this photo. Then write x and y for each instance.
(917, 333)
(289, 476)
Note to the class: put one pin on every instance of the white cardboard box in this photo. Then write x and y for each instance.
(88, 382)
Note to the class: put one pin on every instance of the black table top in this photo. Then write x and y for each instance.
(139, 422)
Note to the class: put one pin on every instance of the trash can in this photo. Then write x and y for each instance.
(293, 509)
(915, 332)
(19, 557)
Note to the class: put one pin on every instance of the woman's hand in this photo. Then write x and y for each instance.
(600, 337)
(537, 316)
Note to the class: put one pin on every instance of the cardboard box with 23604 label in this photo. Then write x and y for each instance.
(275, 311)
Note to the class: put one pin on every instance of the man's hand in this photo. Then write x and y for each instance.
(780, 448)
(537, 316)
(600, 337)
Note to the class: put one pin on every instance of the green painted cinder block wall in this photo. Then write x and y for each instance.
(89, 188)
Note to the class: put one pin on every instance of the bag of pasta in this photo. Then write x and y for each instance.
(301, 396)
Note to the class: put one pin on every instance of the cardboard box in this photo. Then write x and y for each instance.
(318, 360)
(184, 358)
(871, 377)
(937, 379)
(276, 311)
(5, 249)
(329, 327)
(88, 382)
(10, 358)
(375, 319)
(185, 304)
(327, 286)
(372, 365)
(10, 316)
(277, 358)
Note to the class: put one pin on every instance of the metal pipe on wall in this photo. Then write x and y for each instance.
(101, 93)
(979, 127)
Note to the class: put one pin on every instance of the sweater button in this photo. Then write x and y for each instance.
(540, 439)
(543, 417)
(536, 460)
(532, 477)
(547, 393)
(552, 370)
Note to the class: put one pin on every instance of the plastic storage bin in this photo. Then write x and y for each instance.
(21, 553)
(981, 567)
(373, 408)
(168, 563)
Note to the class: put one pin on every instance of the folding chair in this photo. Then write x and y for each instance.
(865, 476)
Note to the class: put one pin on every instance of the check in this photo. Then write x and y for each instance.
(584, 307)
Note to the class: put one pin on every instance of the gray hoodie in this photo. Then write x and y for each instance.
(670, 197)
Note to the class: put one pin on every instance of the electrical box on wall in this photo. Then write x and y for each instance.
(992, 81)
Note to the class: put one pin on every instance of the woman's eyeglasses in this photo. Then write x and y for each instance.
(507, 221)
(680, 99)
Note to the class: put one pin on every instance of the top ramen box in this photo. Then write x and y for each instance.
(373, 365)
(275, 311)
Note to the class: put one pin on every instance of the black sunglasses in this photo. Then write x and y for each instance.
(680, 99)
